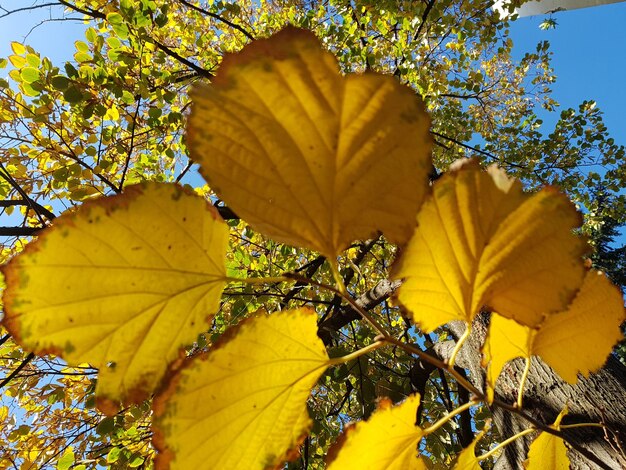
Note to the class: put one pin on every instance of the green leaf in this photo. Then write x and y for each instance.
(29, 74)
(33, 60)
(135, 461)
(66, 461)
(106, 425)
(81, 46)
(70, 70)
(114, 455)
(73, 95)
(59, 82)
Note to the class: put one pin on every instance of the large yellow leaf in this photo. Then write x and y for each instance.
(243, 405)
(548, 451)
(481, 241)
(576, 340)
(387, 441)
(123, 283)
(306, 155)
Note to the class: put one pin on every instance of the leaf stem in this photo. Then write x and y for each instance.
(448, 417)
(366, 316)
(462, 381)
(353, 355)
(520, 392)
(505, 443)
(581, 425)
(337, 276)
(459, 344)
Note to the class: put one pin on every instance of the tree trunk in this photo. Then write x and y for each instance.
(599, 398)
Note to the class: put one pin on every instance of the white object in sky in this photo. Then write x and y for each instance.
(542, 7)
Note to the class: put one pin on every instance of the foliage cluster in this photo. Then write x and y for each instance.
(113, 118)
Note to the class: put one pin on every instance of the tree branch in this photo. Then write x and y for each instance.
(17, 370)
(370, 299)
(19, 231)
(218, 18)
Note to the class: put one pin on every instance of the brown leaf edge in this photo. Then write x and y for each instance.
(169, 386)
(506, 184)
(14, 277)
(278, 46)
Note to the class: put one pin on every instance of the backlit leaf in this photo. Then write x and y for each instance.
(576, 340)
(29, 74)
(467, 459)
(18, 48)
(305, 155)
(123, 283)
(66, 461)
(481, 241)
(243, 405)
(386, 441)
(548, 451)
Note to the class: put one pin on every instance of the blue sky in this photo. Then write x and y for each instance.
(589, 47)
(589, 58)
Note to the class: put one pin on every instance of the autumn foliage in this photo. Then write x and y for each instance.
(317, 160)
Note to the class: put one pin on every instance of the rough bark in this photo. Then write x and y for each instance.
(599, 398)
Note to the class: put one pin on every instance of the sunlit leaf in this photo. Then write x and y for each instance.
(548, 451)
(122, 283)
(386, 441)
(66, 461)
(305, 155)
(467, 459)
(29, 74)
(481, 241)
(577, 340)
(18, 48)
(243, 405)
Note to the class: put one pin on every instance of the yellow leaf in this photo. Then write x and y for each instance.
(576, 340)
(467, 458)
(581, 338)
(305, 155)
(505, 341)
(122, 283)
(481, 241)
(548, 451)
(243, 405)
(387, 441)
(18, 48)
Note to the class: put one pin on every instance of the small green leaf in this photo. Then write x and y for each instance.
(33, 60)
(30, 89)
(115, 18)
(82, 57)
(114, 454)
(73, 95)
(70, 70)
(135, 461)
(59, 82)
(29, 74)
(113, 42)
(66, 461)
(106, 425)
(81, 46)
